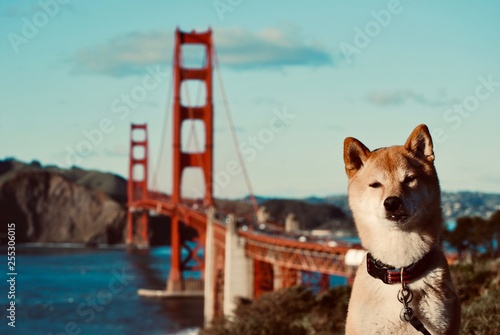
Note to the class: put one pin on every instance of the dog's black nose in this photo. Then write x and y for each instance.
(392, 204)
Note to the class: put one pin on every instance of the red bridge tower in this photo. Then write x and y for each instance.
(181, 159)
(137, 186)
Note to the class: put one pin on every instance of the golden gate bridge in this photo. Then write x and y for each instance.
(233, 262)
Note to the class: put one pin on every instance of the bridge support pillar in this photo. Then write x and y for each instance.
(209, 294)
(278, 277)
(174, 283)
(238, 272)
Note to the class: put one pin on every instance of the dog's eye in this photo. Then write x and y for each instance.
(409, 179)
(375, 185)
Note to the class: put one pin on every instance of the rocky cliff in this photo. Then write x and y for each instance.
(48, 207)
(49, 204)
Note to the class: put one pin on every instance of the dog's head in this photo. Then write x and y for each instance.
(394, 187)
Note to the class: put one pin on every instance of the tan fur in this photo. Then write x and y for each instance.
(406, 172)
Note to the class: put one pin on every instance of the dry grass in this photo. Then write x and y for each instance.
(478, 285)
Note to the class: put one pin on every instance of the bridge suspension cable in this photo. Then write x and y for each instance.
(233, 133)
(166, 118)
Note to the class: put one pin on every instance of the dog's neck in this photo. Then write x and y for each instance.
(398, 248)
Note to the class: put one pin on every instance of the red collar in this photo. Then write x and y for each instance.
(392, 275)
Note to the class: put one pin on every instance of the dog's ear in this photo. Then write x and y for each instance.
(355, 155)
(420, 143)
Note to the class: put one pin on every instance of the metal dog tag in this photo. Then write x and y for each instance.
(406, 314)
(405, 295)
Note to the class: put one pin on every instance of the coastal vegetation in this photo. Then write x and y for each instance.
(297, 311)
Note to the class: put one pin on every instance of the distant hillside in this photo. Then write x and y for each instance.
(469, 204)
(311, 214)
(454, 204)
(112, 185)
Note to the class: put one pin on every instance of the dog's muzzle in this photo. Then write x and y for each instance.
(395, 209)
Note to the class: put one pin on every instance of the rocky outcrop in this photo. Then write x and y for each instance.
(49, 206)
(111, 184)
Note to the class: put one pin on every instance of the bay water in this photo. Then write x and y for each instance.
(74, 290)
(68, 289)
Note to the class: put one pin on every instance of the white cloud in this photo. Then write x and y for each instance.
(272, 47)
(238, 48)
(388, 98)
(127, 54)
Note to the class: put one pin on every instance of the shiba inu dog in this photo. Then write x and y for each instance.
(403, 285)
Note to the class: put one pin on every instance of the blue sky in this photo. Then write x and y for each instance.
(331, 69)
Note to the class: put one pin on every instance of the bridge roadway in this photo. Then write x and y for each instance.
(277, 250)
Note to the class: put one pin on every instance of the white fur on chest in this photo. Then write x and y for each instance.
(375, 308)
